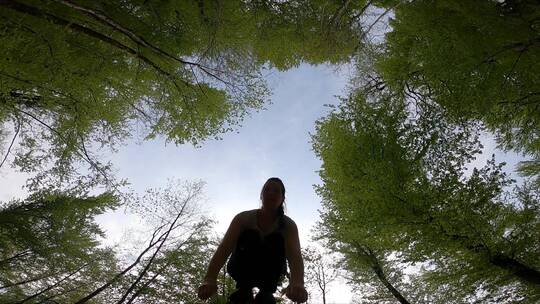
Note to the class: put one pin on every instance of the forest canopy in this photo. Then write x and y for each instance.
(80, 76)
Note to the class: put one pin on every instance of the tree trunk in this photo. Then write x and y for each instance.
(380, 274)
(520, 270)
(382, 277)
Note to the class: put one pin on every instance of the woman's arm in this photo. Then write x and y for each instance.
(294, 256)
(224, 249)
(208, 288)
(295, 291)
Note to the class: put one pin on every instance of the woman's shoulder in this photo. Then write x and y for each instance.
(289, 222)
(247, 213)
(246, 216)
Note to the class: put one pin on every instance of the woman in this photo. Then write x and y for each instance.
(260, 241)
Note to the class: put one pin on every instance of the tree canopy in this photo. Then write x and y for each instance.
(479, 60)
(76, 76)
(395, 180)
(51, 248)
(398, 187)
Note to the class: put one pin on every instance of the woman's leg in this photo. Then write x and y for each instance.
(241, 296)
(264, 297)
(271, 270)
(275, 265)
(242, 266)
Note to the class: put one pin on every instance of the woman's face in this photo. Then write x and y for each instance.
(271, 195)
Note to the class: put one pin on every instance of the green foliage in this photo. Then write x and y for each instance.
(80, 77)
(49, 247)
(479, 59)
(76, 76)
(395, 180)
(395, 154)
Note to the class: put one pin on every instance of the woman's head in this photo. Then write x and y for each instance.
(273, 195)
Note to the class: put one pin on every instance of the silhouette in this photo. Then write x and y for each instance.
(260, 242)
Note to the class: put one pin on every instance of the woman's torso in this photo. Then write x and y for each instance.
(251, 220)
(259, 254)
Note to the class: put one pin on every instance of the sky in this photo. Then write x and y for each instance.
(271, 142)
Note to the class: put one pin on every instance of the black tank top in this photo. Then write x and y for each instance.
(259, 258)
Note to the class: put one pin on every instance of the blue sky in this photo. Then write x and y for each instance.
(271, 142)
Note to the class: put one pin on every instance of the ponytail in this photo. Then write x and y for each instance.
(281, 210)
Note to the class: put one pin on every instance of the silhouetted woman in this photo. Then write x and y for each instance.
(261, 241)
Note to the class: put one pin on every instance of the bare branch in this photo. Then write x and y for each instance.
(123, 272)
(143, 272)
(9, 285)
(16, 256)
(50, 299)
(17, 128)
(158, 272)
(364, 34)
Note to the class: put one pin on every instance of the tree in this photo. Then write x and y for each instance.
(77, 76)
(394, 177)
(368, 271)
(480, 60)
(169, 268)
(319, 270)
(49, 247)
(51, 251)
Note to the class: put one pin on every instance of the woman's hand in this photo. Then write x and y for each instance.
(206, 290)
(296, 293)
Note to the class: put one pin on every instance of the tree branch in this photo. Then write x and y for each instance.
(143, 272)
(117, 276)
(81, 154)
(9, 285)
(33, 11)
(17, 128)
(52, 286)
(104, 19)
(8, 260)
